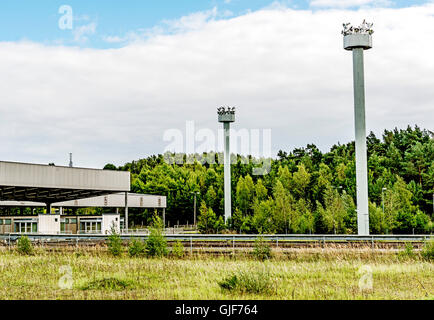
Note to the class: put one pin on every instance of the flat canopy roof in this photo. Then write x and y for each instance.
(116, 200)
(49, 184)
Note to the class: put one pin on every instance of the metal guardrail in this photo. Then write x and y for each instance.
(225, 237)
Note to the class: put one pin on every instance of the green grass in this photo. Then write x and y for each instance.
(108, 284)
(258, 282)
(303, 274)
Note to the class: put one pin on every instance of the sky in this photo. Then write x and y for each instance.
(109, 80)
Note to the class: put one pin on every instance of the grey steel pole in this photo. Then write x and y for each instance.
(227, 115)
(126, 212)
(357, 40)
(361, 152)
(227, 173)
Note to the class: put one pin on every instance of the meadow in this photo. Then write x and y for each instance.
(92, 273)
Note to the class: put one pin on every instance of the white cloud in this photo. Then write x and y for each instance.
(284, 69)
(347, 3)
(195, 20)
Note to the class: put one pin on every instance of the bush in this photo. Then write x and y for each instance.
(408, 251)
(262, 250)
(136, 248)
(247, 282)
(114, 242)
(156, 245)
(428, 250)
(24, 245)
(178, 249)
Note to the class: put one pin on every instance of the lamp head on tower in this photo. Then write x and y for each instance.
(226, 114)
(358, 37)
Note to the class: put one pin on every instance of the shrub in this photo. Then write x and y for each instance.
(408, 251)
(114, 242)
(156, 245)
(230, 283)
(428, 250)
(24, 245)
(262, 250)
(136, 248)
(247, 282)
(178, 249)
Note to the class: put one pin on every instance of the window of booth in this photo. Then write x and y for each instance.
(26, 227)
(90, 227)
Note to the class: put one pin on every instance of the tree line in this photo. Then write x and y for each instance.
(306, 191)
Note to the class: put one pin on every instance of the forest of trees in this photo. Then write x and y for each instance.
(306, 191)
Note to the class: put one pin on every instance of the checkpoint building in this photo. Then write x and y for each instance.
(57, 187)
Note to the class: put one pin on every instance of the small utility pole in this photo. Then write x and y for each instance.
(70, 160)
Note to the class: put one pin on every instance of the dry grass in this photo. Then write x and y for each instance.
(299, 274)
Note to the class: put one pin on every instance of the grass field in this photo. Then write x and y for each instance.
(303, 274)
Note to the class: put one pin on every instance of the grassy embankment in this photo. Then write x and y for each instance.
(303, 274)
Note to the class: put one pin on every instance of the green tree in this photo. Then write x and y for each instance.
(207, 219)
(283, 212)
(211, 198)
(260, 190)
(114, 242)
(263, 217)
(300, 181)
(245, 193)
(156, 244)
(306, 219)
(334, 211)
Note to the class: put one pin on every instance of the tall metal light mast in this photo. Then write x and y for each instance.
(227, 115)
(358, 39)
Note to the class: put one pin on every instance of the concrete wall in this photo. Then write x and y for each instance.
(49, 223)
(6, 228)
(108, 220)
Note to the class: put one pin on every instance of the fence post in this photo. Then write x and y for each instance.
(233, 245)
(277, 242)
(191, 245)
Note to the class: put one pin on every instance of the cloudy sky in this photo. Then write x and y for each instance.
(108, 87)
